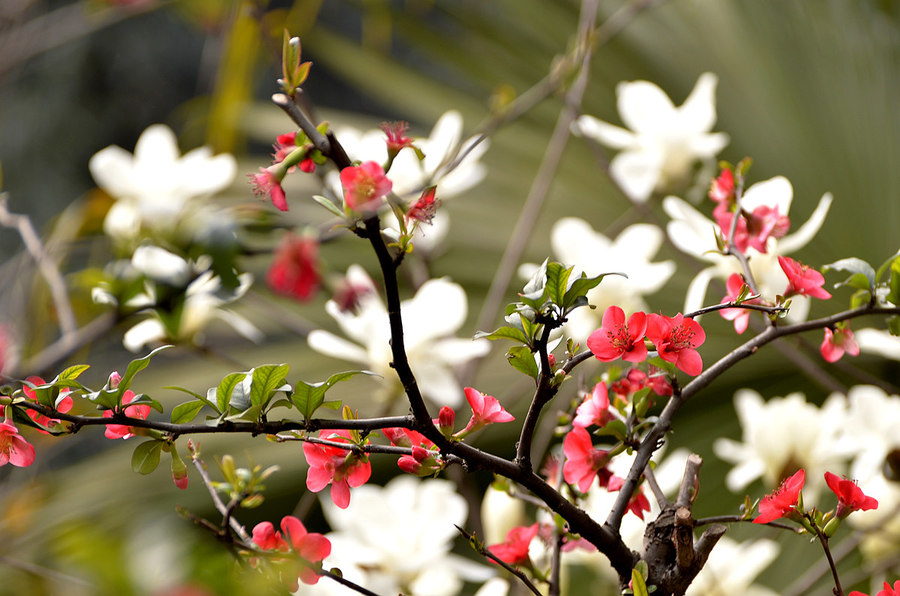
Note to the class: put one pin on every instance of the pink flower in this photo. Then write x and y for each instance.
(309, 546)
(781, 503)
(676, 340)
(295, 269)
(636, 379)
(396, 136)
(887, 591)
(423, 210)
(802, 279)
(364, 185)
(615, 339)
(121, 431)
(722, 188)
(14, 449)
(514, 550)
(766, 222)
(284, 146)
(405, 437)
(638, 503)
(348, 295)
(63, 405)
(421, 462)
(850, 497)
(594, 409)
(839, 341)
(583, 461)
(485, 410)
(332, 465)
(740, 316)
(268, 184)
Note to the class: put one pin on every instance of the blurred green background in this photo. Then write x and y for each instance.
(807, 88)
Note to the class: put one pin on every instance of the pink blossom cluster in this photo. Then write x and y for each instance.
(676, 338)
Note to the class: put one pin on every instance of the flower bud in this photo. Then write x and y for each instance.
(446, 420)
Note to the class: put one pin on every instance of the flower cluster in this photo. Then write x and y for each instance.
(309, 547)
(676, 339)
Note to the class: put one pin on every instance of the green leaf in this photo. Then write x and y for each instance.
(638, 585)
(894, 294)
(582, 285)
(893, 324)
(504, 333)
(862, 275)
(202, 398)
(73, 372)
(134, 367)
(226, 389)
(250, 414)
(665, 365)
(266, 381)
(522, 359)
(146, 456)
(557, 280)
(309, 397)
(329, 205)
(613, 428)
(184, 413)
(142, 399)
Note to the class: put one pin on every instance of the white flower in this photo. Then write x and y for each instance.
(664, 141)
(576, 244)
(398, 538)
(204, 300)
(436, 311)
(161, 265)
(876, 341)
(695, 234)
(782, 435)
(871, 426)
(732, 567)
(411, 176)
(157, 187)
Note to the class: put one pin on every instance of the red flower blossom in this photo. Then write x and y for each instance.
(485, 410)
(332, 465)
(594, 409)
(676, 340)
(364, 186)
(122, 431)
(295, 269)
(514, 550)
(583, 461)
(423, 210)
(850, 497)
(268, 184)
(839, 341)
(802, 279)
(284, 145)
(638, 502)
(14, 449)
(309, 546)
(740, 316)
(764, 223)
(63, 404)
(617, 339)
(887, 591)
(781, 503)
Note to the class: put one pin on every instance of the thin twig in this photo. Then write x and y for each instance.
(49, 270)
(217, 501)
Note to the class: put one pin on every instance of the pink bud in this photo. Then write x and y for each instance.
(446, 420)
(114, 379)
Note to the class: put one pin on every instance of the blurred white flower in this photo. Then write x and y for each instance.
(782, 435)
(429, 319)
(732, 567)
(664, 141)
(203, 301)
(398, 539)
(695, 234)
(878, 342)
(159, 189)
(871, 425)
(410, 175)
(576, 244)
(500, 513)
